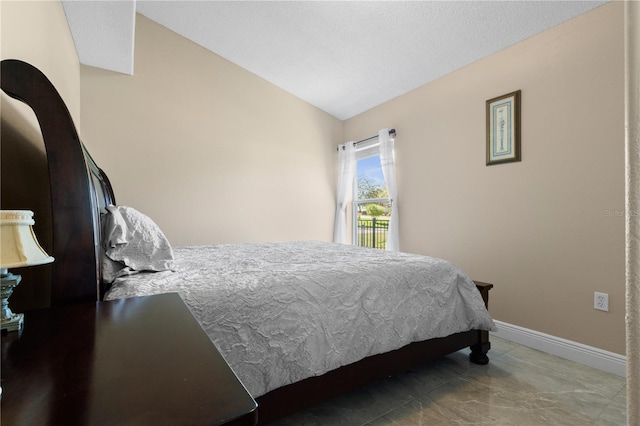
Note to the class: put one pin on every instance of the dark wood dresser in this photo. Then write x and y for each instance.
(138, 361)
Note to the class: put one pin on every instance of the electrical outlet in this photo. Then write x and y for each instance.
(601, 301)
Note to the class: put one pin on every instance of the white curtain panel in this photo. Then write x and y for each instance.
(346, 173)
(389, 171)
(632, 171)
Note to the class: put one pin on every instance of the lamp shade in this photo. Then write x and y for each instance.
(20, 246)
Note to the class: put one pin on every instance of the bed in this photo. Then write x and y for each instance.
(80, 195)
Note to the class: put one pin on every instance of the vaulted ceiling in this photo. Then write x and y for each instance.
(342, 56)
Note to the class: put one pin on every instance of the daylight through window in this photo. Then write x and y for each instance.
(371, 206)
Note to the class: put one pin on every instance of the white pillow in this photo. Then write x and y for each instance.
(135, 240)
(111, 269)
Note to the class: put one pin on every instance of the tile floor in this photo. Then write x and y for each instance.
(520, 386)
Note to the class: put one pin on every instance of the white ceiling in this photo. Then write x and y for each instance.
(342, 56)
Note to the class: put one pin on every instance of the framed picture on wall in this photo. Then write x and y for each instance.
(503, 129)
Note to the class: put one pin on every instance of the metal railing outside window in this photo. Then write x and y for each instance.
(371, 222)
(372, 232)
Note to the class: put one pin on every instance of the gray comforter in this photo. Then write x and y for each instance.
(282, 312)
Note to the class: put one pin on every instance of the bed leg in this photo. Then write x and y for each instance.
(481, 347)
(479, 350)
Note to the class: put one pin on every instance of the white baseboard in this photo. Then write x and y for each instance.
(573, 351)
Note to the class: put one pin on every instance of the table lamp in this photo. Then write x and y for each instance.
(19, 247)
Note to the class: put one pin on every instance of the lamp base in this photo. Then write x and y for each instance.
(14, 323)
(9, 320)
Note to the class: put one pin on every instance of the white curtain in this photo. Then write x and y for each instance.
(346, 173)
(389, 171)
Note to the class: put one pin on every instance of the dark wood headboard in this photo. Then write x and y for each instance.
(79, 188)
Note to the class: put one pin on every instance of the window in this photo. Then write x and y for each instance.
(371, 205)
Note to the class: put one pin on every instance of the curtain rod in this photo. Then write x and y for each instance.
(392, 133)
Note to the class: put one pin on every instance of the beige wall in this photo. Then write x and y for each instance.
(213, 153)
(547, 231)
(35, 32)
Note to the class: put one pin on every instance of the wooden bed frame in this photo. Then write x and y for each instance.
(79, 192)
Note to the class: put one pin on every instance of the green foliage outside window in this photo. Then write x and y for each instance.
(369, 189)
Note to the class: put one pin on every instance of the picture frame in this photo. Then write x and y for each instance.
(503, 129)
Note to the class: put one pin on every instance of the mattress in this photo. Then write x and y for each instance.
(282, 312)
